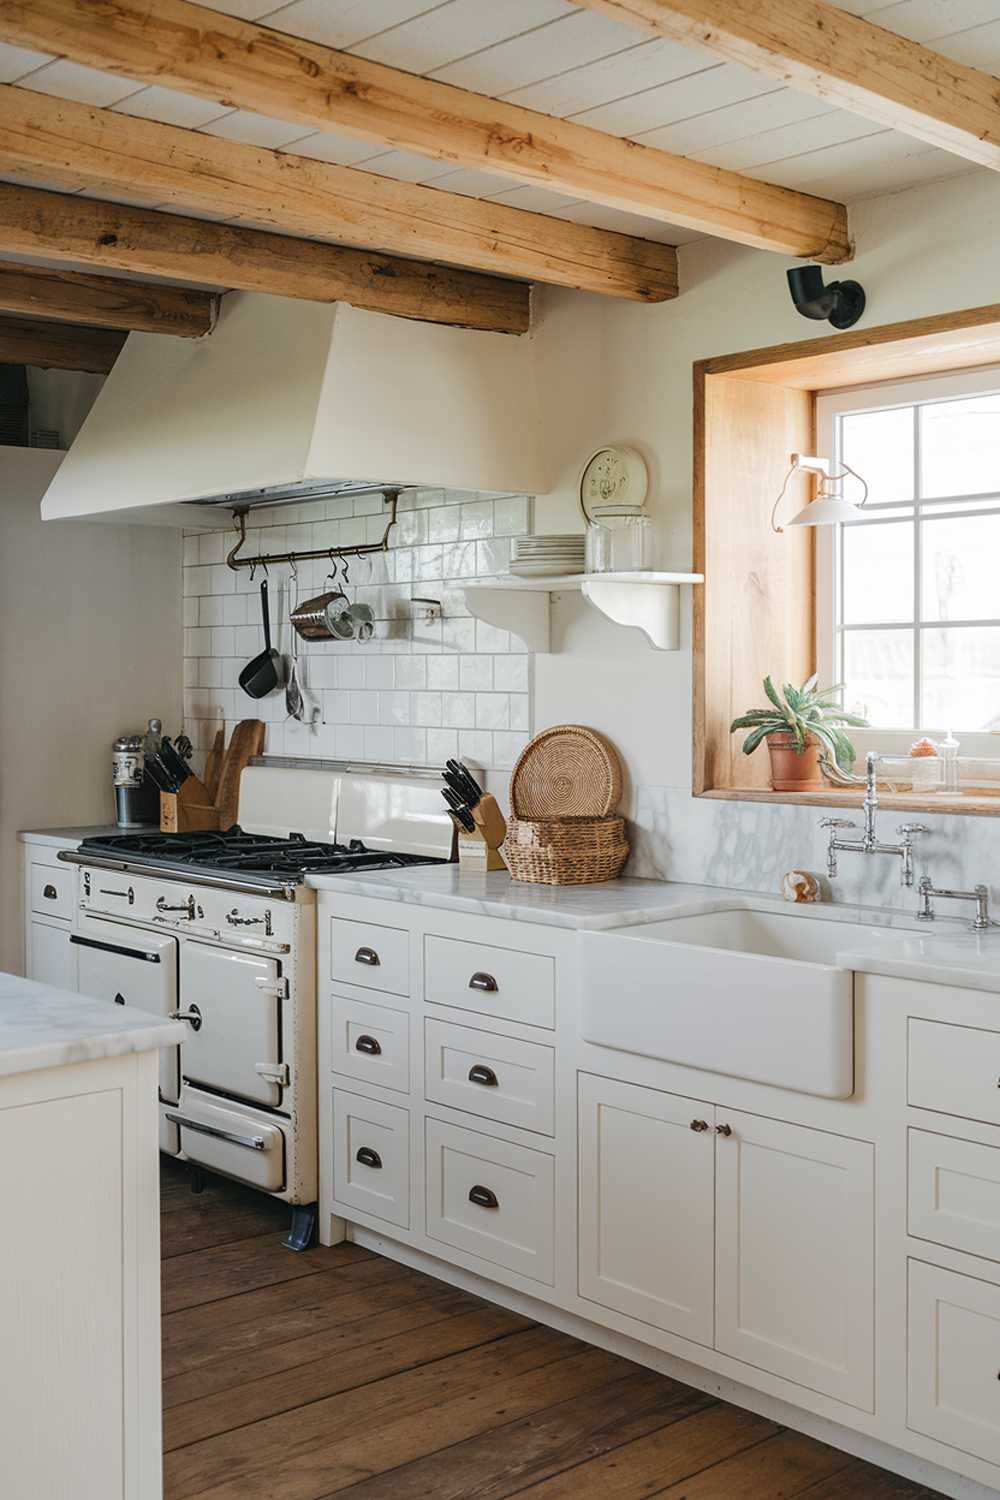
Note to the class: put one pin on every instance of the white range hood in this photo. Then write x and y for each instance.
(286, 395)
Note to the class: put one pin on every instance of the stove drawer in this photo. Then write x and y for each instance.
(371, 1043)
(492, 981)
(371, 1157)
(491, 1199)
(377, 958)
(242, 1143)
(52, 890)
(499, 1077)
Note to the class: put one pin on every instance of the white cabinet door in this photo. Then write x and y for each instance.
(954, 1335)
(795, 1254)
(647, 1179)
(51, 959)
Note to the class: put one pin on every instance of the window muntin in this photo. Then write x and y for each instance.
(909, 595)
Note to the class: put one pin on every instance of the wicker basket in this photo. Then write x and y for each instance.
(566, 772)
(565, 851)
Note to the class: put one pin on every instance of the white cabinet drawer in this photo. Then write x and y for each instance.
(371, 1157)
(490, 981)
(954, 1335)
(52, 890)
(955, 1193)
(378, 958)
(371, 1042)
(243, 1143)
(498, 1077)
(954, 1070)
(491, 1199)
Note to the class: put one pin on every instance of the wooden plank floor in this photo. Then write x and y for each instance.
(300, 1377)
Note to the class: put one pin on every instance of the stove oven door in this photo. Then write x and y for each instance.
(232, 1003)
(132, 967)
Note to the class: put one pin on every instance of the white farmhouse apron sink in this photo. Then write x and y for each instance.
(750, 993)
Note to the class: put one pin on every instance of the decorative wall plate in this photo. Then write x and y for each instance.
(614, 475)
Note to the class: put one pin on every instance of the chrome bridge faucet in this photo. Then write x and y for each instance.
(869, 842)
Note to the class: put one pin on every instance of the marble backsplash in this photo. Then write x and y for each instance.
(752, 845)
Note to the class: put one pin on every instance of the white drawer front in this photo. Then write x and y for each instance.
(242, 1143)
(490, 981)
(371, 1042)
(955, 1193)
(954, 1335)
(498, 1077)
(371, 1157)
(492, 1199)
(955, 1070)
(52, 890)
(376, 957)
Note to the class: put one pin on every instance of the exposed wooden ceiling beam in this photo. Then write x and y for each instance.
(75, 146)
(115, 236)
(105, 301)
(59, 346)
(233, 62)
(840, 58)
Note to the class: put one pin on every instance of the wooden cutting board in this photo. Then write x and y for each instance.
(247, 741)
(213, 764)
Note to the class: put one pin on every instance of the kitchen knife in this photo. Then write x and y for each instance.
(184, 747)
(462, 782)
(159, 775)
(175, 764)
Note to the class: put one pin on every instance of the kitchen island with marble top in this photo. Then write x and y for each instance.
(79, 1264)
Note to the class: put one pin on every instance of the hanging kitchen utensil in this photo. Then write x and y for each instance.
(293, 692)
(267, 670)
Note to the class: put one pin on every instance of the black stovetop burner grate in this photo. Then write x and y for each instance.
(236, 852)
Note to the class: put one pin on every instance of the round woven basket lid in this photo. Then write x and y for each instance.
(566, 772)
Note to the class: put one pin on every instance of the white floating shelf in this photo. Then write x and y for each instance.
(648, 601)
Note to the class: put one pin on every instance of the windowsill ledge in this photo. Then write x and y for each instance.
(979, 804)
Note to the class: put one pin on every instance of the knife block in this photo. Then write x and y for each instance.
(481, 850)
(188, 810)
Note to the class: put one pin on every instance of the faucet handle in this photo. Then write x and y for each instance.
(906, 830)
(837, 823)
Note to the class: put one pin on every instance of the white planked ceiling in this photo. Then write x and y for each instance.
(552, 56)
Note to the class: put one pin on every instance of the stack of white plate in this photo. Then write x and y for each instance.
(547, 556)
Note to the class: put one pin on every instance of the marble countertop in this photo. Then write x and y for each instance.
(615, 903)
(70, 838)
(42, 1027)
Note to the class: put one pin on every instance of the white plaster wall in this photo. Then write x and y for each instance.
(90, 646)
(619, 372)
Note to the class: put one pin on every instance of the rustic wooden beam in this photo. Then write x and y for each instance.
(59, 346)
(105, 301)
(841, 58)
(71, 145)
(116, 236)
(233, 62)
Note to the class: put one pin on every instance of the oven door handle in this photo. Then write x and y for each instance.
(85, 942)
(252, 1142)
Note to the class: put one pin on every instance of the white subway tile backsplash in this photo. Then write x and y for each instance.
(419, 692)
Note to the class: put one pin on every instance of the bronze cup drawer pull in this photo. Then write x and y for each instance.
(368, 1158)
(50, 893)
(480, 1073)
(367, 956)
(484, 1196)
(484, 982)
(369, 1046)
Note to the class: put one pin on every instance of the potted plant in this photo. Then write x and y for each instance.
(800, 723)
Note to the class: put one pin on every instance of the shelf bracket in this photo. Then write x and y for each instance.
(653, 608)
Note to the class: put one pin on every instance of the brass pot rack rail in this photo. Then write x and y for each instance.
(390, 497)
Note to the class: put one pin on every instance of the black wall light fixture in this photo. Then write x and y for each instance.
(841, 303)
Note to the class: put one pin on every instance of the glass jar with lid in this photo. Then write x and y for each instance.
(619, 540)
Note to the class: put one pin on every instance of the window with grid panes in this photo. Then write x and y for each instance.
(908, 595)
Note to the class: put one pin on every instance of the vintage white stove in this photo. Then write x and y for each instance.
(219, 930)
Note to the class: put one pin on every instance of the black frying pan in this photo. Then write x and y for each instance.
(267, 670)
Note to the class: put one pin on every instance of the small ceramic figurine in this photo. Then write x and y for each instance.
(799, 885)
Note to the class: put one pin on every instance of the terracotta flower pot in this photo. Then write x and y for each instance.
(794, 770)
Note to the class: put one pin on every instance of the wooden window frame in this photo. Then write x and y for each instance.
(754, 613)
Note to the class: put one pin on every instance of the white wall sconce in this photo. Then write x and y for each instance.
(828, 507)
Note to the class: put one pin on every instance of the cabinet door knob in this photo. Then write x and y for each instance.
(484, 982)
(484, 1196)
(699, 1125)
(369, 1045)
(367, 956)
(50, 893)
(480, 1073)
(723, 1130)
(368, 1158)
